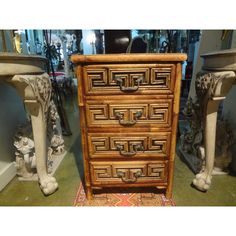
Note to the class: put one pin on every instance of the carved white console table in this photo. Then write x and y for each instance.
(27, 74)
(212, 85)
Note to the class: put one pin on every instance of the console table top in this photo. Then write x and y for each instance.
(14, 63)
(223, 60)
(17, 56)
(227, 52)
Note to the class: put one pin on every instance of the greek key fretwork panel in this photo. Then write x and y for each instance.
(96, 78)
(161, 112)
(161, 77)
(129, 77)
(129, 111)
(103, 172)
(129, 172)
(144, 79)
(128, 145)
(138, 113)
(97, 112)
(98, 144)
(158, 144)
(156, 170)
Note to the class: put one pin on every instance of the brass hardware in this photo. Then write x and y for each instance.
(119, 81)
(137, 115)
(136, 148)
(127, 180)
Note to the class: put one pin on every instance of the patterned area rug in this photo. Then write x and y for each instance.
(122, 199)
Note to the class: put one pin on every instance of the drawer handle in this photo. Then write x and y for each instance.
(137, 115)
(121, 175)
(132, 153)
(119, 81)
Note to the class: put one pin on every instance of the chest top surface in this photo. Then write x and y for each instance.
(128, 58)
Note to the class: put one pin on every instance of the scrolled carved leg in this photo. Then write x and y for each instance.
(47, 183)
(36, 92)
(54, 131)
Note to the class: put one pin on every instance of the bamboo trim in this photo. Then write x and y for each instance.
(174, 129)
(84, 140)
(79, 75)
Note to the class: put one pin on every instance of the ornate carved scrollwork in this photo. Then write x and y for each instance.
(54, 131)
(25, 147)
(210, 84)
(204, 83)
(192, 136)
(36, 92)
(39, 90)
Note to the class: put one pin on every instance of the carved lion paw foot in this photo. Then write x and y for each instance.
(202, 181)
(48, 185)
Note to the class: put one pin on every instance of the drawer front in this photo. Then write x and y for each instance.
(131, 113)
(128, 172)
(123, 79)
(129, 145)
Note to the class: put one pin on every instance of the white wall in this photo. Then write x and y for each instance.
(12, 113)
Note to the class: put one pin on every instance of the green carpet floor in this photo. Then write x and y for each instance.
(70, 171)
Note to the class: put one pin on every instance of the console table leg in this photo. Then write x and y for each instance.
(211, 89)
(47, 183)
(36, 93)
(202, 180)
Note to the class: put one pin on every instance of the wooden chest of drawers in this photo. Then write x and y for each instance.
(129, 105)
